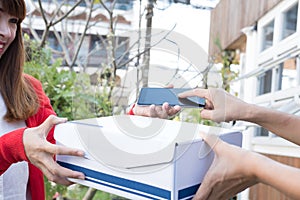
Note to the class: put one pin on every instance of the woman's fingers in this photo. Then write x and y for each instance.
(58, 174)
(62, 150)
(43, 159)
(40, 152)
(48, 124)
(163, 111)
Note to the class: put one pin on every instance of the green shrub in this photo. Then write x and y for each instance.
(71, 96)
(70, 93)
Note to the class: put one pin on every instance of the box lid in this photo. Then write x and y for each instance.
(125, 141)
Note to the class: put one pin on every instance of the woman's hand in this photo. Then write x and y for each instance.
(220, 105)
(40, 152)
(165, 111)
(231, 172)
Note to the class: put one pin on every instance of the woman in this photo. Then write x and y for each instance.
(27, 118)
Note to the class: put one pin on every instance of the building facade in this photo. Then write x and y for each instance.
(267, 35)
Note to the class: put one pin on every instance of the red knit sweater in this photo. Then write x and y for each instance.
(11, 144)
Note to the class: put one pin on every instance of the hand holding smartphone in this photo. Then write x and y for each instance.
(158, 96)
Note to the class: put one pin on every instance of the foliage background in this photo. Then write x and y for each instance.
(71, 96)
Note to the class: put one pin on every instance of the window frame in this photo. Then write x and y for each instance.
(270, 59)
(283, 22)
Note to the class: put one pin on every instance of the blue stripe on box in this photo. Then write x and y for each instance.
(187, 192)
(119, 182)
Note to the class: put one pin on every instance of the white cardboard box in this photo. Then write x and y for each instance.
(139, 157)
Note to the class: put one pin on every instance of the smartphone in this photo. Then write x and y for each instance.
(158, 96)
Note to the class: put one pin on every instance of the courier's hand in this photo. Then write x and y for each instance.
(231, 172)
(40, 152)
(163, 111)
(220, 105)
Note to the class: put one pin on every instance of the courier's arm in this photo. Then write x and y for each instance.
(234, 169)
(279, 123)
(228, 176)
(222, 106)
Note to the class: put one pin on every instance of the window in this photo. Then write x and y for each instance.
(53, 42)
(278, 24)
(265, 82)
(286, 75)
(182, 1)
(290, 21)
(277, 70)
(84, 50)
(260, 131)
(99, 54)
(71, 2)
(121, 4)
(268, 33)
(122, 53)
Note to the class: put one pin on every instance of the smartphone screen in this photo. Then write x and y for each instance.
(158, 96)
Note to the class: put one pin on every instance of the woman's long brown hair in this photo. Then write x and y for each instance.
(18, 94)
